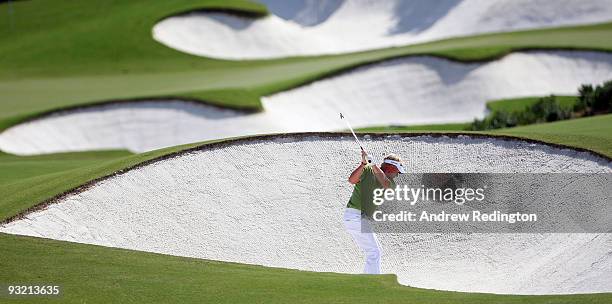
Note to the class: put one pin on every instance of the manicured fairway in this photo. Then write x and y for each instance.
(17, 168)
(90, 273)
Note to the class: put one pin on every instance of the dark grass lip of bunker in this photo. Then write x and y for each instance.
(278, 200)
(297, 28)
(407, 91)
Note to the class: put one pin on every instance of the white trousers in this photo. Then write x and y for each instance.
(366, 240)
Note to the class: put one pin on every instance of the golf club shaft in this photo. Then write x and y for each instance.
(353, 132)
(357, 139)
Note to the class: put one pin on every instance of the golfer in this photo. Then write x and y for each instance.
(367, 177)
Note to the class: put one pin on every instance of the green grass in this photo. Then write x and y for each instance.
(421, 128)
(519, 104)
(97, 274)
(61, 53)
(228, 98)
(593, 133)
(17, 168)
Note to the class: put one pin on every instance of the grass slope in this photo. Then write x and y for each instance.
(16, 168)
(108, 275)
(519, 104)
(593, 133)
(60, 53)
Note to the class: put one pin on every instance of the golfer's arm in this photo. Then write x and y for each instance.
(356, 174)
(381, 177)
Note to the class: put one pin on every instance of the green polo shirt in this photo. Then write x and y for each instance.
(363, 193)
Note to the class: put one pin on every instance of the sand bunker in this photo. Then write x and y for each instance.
(278, 201)
(134, 125)
(423, 90)
(336, 26)
(408, 91)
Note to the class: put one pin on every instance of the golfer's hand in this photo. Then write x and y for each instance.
(364, 157)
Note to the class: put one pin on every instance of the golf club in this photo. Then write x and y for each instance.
(355, 136)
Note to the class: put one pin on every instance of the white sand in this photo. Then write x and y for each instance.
(336, 26)
(415, 90)
(137, 126)
(279, 203)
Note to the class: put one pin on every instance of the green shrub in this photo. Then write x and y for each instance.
(596, 100)
(546, 109)
(592, 101)
(602, 98)
(584, 99)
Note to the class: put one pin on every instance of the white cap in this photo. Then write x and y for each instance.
(395, 163)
